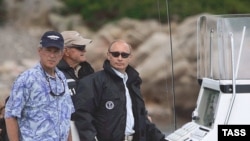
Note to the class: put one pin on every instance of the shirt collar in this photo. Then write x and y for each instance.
(121, 75)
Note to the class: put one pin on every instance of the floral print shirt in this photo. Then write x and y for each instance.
(41, 116)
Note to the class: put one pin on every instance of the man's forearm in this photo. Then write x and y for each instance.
(70, 135)
(12, 129)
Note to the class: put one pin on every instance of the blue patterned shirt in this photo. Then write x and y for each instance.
(40, 115)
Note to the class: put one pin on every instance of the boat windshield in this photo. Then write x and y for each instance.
(223, 47)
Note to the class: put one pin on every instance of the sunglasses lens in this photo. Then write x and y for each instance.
(124, 55)
(80, 48)
(117, 54)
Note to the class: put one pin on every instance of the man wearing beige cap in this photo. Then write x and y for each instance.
(73, 63)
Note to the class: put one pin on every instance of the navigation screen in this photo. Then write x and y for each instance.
(207, 107)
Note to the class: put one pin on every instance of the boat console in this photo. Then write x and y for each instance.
(223, 43)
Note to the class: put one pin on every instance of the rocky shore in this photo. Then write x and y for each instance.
(163, 78)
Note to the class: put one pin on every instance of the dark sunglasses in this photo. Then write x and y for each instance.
(79, 47)
(117, 54)
(51, 92)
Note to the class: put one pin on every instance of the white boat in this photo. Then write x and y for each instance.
(223, 53)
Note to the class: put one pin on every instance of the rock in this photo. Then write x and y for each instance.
(164, 79)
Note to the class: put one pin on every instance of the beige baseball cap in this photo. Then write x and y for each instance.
(73, 38)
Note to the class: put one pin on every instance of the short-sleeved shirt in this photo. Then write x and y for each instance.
(40, 115)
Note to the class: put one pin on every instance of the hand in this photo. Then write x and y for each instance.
(149, 118)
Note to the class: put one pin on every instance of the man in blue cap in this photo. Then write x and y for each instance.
(39, 107)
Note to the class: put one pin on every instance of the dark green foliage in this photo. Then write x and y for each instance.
(98, 12)
(2, 13)
(190, 7)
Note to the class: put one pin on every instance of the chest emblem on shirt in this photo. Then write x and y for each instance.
(109, 105)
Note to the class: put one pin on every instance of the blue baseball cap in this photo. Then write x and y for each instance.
(52, 39)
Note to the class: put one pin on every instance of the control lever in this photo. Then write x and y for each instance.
(195, 115)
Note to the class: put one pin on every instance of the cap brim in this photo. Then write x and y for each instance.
(53, 45)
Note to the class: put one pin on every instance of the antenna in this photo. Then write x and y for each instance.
(234, 73)
(172, 62)
(241, 44)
